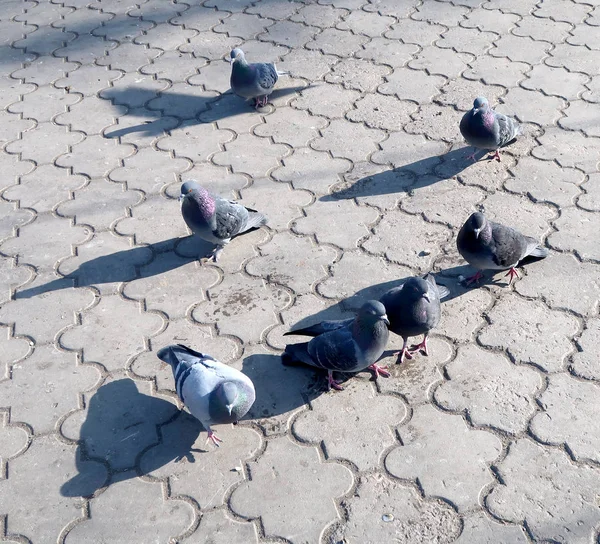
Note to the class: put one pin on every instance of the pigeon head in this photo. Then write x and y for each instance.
(236, 54)
(480, 103)
(228, 394)
(478, 224)
(371, 312)
(417, 288)
(187, 187)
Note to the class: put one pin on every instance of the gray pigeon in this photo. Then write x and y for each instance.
(216, 219)
(483, 128)
(255, 80)
(213, 392)
(349, 345)
(491, 246)
(414, 309)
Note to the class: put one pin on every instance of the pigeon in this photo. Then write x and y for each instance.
(413, 309)
(213, 392)
(255, 80)
(216, 219)
(483, 128)
(348, 345)
(491, 246)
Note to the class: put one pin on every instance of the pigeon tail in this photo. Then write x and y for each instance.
(536, 253)
(297, 353)
(319, 328)
(443, 291)
(255, 220)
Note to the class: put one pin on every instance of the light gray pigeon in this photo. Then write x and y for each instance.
(255, 80)
(483, 128)
(352, 346)
(491, 246)
(215, 219)
(213, 392)
(413, 309)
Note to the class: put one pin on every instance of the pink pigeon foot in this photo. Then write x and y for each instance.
(471, 156)
(475, 278)
(422, 347)
(513, 274)
(332, 383)
(497, 155)
(379, 371)
(403, 353)
(214, 438)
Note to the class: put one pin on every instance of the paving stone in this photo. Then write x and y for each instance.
(194, 469)
(584, 362)
(163, 36)
(346, 4)
(466, 311)
(311, 486)
(278, 10)
(44, 104)
(435, 122)
(546, 30)
(467, 40)
(452, 464)
(417, 32)
(183, 101)
(496, 71)
(12, 218)
(384, 112)
(514, 6)
(593, 92)
(87, 80)
(14, 440)
(175, 66)
(12, 277)
(444, 14)
(569, 149)
(86, 49)
(575, 233)
(212, 77)
(388, 51)
(223, 530)
(337, 42)
(42, 388)
(412, 85)
(410, 152)
(390, 7)
(563, 11)
(521, 49)
(339, 100)
(483, 529)
(91, 115)
(42, 509)
(293, 127)
(578, 116)
(369, 24)
(358, 74)
(383, 510)
(573, 58)
(200, 18)
(290, 34)
(568, 492)
(311, 65)
(123, 29)
(372, 430)
(211, 46)
(493, 391)
(318, 15)
(348, 140)
(460, 93)
(442, 62)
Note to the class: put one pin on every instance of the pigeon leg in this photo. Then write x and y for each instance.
(213, 437)
(513, 274)
(332, 383)
(475, 278)
(379, 370)
(497, 155)
(214, 257)
(422, 347)
(472, 156)
(403, 353)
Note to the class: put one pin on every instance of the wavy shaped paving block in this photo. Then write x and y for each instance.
(310, 65)
(578, 118)
(521, 49)
(290, 126)
(570, 149)
(289, 33)
(339, 100)
(363, 22)
(91, 115)
(216, 179)
(164, 36)
(224, 530)
(14, 441)
(243, 25)
(449, 459)
(434, 121)
(45, 387)
(44, 41)
(493, 391)
(11, 219)
(483, 529)
(13, 349)
(467, 40)
(210, 46)
(48, 507)
(44, 104)
(382, 510)
(277, 11)
(358, 74)
(567, 513)
(466, 312)
(194, 141)
(459, 93)
(299, 503)
(413, 85)
(12, 126)
(384, 112)
(12, 277)
(584, 361)
(195, 469)
(133, 90)
(410, 152)
(557, 82)
(113, 510)
(349, 431)
(86, 80)
(575, 233)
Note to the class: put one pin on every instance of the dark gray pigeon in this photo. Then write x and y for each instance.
(255, 80)
(213, 392)
(215, 219)
(483, 128)
(486, 245)
(413, 309)
(353, 345)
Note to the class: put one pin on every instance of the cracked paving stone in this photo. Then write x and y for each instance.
(371, 433)
(337, 42)
(383, 510)
(496, 71)
(339, 100)
(119, 421)
(417, 249)
(493, 391)
(483, 529)
(576, 233)
(412, 152)
(311, 170)
(369, 24)
(195, 469)
(585, 362)
(348, 140)
(443, 62)
(569, 416)
(346, 222)
(46, 508)
(384, 112)
(302, 63)
(578, 116)
(568, 512)
(414, 85)
(115, 342)
(299, 503)
(44, 104)
(163, 521)
(358, 74)
(467, 314)
(389, 52)
(416, 32)
(289, 126)
(43, 387)
(221, 529)
(251, 156)
(570, 149)
(449, 459)
(241, 306)
(358, 277)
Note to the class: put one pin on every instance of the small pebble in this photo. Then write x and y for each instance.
(387, 517)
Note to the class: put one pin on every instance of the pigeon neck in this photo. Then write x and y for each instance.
(206, 204)
(365, 333)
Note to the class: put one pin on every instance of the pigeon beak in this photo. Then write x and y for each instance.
(477, 232)
(180, 198)
(229, 408)
(385, 319)
(231, 60)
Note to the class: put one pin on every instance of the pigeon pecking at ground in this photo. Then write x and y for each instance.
(216, 219)
(413, 309)
(255, 80)
(483, 128)
(491, 246)
(348, 345)
(213, 392)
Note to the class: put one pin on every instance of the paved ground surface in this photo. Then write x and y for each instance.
(108, 105)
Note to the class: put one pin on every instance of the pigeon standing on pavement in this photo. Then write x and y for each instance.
(215, 219)
(213, 392)
(491, 246)
(413, 309)
(483, 128)
(348, 345)
(255, 80)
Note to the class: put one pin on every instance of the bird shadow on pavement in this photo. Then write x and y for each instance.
(122, 426)
(409, 177)
(127, 265)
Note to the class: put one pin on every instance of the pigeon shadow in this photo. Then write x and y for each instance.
(127, 265)
(121, 425)
(409, 177)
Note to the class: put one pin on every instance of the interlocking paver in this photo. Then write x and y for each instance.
(584, 363)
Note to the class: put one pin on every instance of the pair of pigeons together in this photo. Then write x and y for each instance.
(216, 393)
